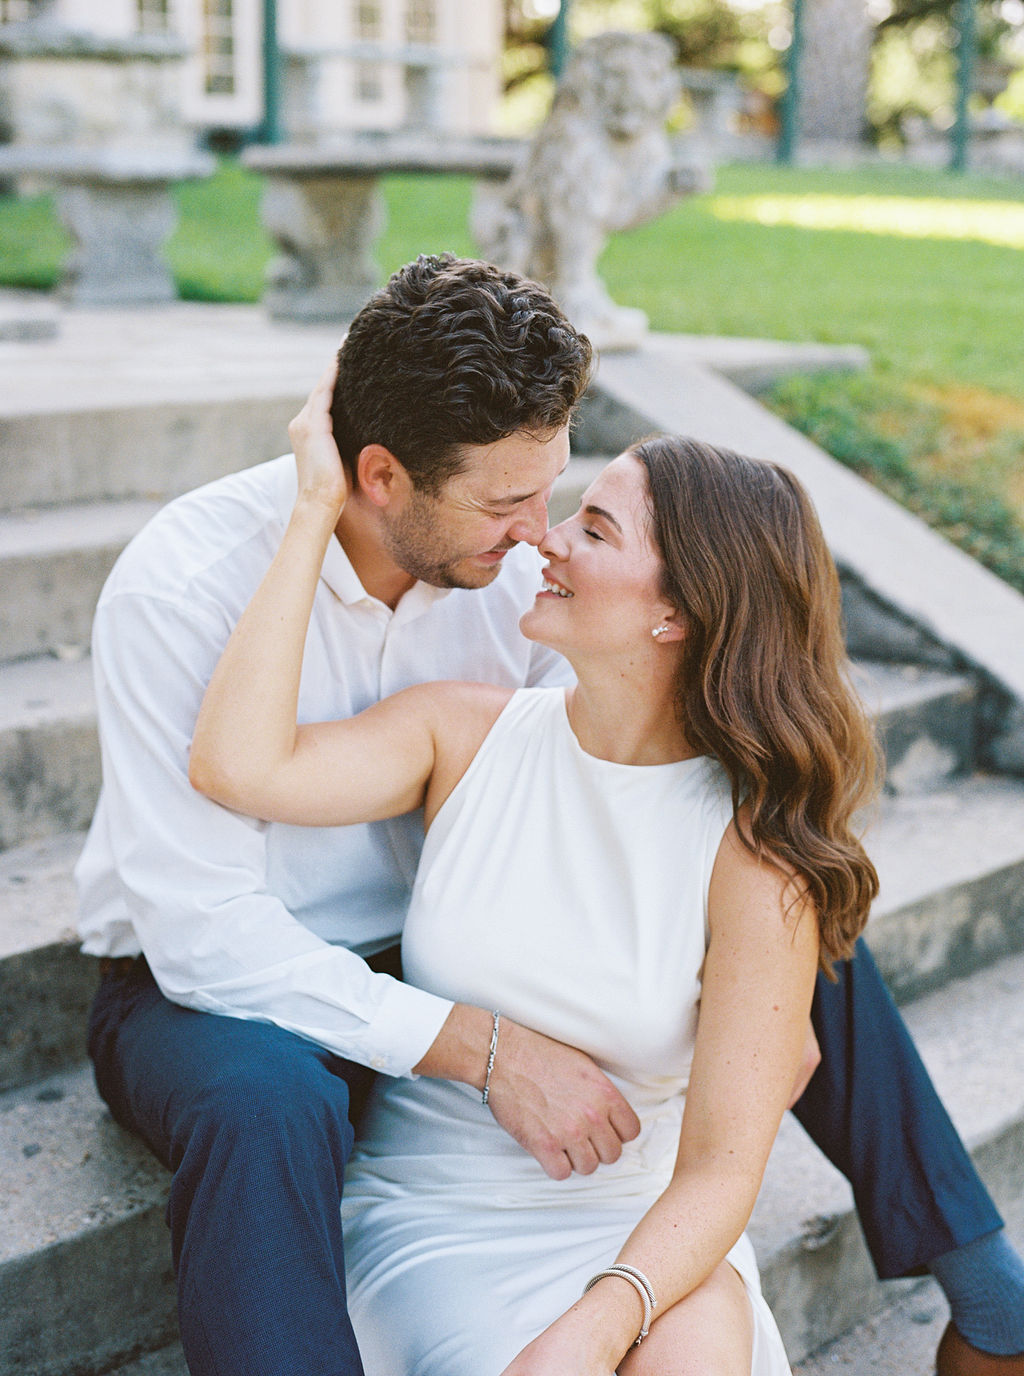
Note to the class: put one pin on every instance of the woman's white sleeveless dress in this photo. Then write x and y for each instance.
(571, 894)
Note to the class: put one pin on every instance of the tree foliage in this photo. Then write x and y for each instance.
(913, 66)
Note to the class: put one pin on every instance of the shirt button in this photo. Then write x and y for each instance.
(378, 1063)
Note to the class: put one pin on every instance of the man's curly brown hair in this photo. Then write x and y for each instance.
(454, 352)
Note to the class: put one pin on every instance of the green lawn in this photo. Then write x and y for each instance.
(936, 310)
(932, 309)
(925, 269)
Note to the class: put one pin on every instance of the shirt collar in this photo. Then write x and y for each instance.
(344, 582)
(339, 575)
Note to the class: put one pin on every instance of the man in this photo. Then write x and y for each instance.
(237, 1041)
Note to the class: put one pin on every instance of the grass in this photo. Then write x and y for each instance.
(902, 441)
(932, 309)
(925, 269)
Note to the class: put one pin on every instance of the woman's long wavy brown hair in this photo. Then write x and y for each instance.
(763, 676)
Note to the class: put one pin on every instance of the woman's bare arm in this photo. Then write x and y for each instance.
(249, 753)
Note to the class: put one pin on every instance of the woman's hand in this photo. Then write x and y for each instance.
(555, 1353)
(321, 474)
(590, 1339)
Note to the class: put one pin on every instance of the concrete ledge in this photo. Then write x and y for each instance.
(26, 316)
(105, 166)
(379, 154)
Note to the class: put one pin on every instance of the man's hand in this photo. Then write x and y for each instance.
(557, 1104)
(810, 1059)
(550, 1097)
(321, 473)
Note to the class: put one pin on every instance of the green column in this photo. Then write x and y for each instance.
(270, 130)
(789, 125)
(558, 40)
(966, 47)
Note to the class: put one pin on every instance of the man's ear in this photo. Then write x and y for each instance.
(380, 475)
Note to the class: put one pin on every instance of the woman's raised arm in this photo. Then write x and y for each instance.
(248, 752)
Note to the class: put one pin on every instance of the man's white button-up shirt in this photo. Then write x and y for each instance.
(256, 920)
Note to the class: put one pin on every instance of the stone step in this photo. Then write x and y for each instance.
(83, 1248)
(148, 404)
(925, 719)
(53, 563)
(49, 753)
(815, 1268)
(46, 984)
(148, 451)
(900, 1340)
(169, 1361)
(139, 403)
(85, 1269)
(951, 868)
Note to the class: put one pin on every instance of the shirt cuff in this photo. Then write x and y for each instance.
(405, 1026)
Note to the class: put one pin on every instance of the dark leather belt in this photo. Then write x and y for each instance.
(118, 966)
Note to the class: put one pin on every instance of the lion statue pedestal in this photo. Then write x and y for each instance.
(601, 162)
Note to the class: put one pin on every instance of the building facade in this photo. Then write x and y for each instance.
(344, 64)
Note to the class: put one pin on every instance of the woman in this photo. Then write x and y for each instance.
(650, 867)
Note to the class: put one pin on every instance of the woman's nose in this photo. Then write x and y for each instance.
(553, 545)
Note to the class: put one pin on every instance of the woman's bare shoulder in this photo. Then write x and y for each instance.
(453, 705)
(460, 716)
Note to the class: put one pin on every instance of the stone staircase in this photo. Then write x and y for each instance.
(85, 1279)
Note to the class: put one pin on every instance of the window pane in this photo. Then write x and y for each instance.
(14, 11)
(218, 47)
(421, 21)
(152, 16)
(368, 22)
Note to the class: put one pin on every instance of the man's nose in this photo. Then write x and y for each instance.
(531, 521)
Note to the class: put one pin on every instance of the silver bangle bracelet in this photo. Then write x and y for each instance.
(490, 1056)
(640, 1284)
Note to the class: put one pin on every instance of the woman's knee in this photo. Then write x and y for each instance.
(709, 1333)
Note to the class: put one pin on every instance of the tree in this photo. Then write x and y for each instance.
(834, 70)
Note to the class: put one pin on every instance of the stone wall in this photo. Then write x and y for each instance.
(59, 87)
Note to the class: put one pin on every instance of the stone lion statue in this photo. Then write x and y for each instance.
(602, 161)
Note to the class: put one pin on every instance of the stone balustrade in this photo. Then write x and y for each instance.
(117, 206)
(61, 86)
(323, 207)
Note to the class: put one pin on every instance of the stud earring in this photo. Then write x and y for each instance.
(659, 630)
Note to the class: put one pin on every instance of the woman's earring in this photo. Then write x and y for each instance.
(659, 630)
